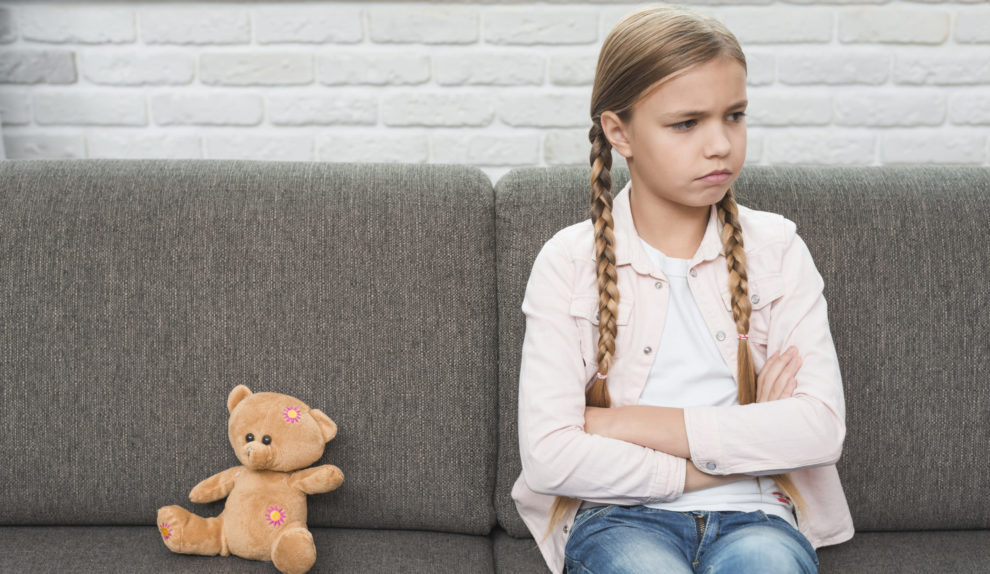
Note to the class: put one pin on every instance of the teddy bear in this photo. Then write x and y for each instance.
(275, 437)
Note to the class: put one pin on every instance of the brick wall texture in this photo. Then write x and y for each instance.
(492, 84)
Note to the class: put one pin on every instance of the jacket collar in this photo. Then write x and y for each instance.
(629, 250)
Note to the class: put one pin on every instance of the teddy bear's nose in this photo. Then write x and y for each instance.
(256, 457)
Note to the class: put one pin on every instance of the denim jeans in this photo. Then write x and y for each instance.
(636, 539)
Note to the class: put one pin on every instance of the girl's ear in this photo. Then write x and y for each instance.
(615, 132)
(237, 395)
(327, 426)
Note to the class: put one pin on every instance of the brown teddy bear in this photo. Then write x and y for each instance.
(264, 518)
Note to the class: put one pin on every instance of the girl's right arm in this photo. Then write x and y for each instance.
(558, 456)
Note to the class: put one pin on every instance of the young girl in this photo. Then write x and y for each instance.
(666, 421)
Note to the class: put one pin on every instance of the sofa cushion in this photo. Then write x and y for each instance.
(135, 294)
(957, 551)
(903, 254)
(137, 549)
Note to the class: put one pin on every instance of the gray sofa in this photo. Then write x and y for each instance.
(134, 294)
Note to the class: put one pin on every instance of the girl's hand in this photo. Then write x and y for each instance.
(776, 379)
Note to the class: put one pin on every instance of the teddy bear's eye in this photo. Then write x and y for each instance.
(249, 437)
(266, 439)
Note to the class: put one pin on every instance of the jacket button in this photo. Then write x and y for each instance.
(720, 336)
(647, 350)
(694, 273)
(658, 285)
(566, 529)
(755, 298)
(710, 466)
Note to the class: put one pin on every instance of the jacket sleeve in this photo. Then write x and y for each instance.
(558, 457)
(805, 430)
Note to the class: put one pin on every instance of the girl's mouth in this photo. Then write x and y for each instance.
(715, 178)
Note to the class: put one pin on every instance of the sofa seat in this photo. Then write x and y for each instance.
(135, 549)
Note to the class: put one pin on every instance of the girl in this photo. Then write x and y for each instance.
(649, 443)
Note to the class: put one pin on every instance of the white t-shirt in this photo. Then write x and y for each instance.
(690, 371)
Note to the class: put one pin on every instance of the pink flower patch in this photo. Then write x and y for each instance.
(166, 530)
(292, 415)
(275, 516)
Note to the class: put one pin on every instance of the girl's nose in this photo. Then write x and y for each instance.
(718, 142)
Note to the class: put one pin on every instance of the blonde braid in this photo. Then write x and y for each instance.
(608, 293)
(735, 259)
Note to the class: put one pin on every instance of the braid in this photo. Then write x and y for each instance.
(608, 292)
(735, 259)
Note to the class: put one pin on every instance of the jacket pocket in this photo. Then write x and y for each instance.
(584, 311)
(763, 291)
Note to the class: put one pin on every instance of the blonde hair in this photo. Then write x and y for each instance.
(644, 48)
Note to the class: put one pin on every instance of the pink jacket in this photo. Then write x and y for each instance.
(802, 434)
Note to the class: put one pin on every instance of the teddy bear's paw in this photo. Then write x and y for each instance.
(332, 476)
(294, 551)
(171, 519)
(187, 533)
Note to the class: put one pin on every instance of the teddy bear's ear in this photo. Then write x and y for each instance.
(327, 426)
(237, 395)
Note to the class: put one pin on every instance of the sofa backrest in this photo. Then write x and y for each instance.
(903, 253)
(134, 295)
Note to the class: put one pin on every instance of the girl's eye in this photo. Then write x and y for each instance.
(682, 126)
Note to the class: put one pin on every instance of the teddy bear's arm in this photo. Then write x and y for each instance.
(216, 487)
(317, 479)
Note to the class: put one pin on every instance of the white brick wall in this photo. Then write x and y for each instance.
(488, 83)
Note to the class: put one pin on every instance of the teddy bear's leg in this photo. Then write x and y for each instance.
(187, 533)
(294, 552)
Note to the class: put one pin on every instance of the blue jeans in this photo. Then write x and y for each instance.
(636, 539)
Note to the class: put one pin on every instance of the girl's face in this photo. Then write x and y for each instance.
(690, 125)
